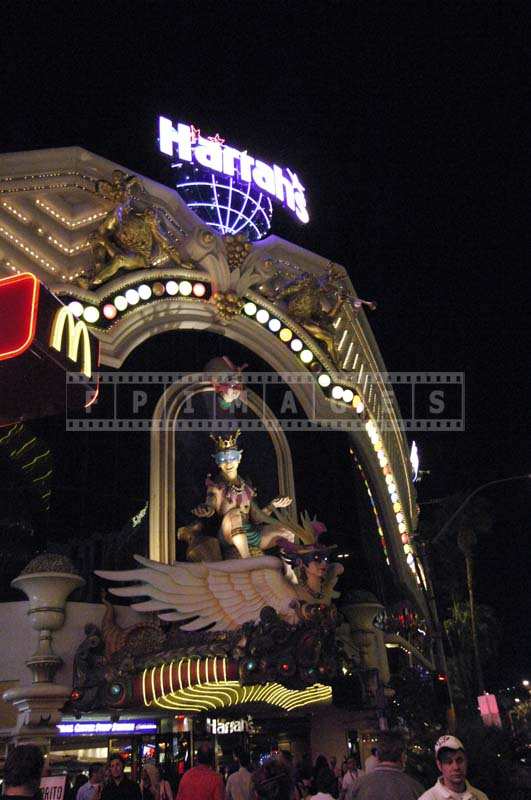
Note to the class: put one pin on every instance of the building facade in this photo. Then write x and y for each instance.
(177, 309)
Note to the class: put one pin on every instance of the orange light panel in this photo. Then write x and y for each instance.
(19, 301)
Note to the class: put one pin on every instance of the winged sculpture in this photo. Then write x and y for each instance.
(223, 595)
(230, 579)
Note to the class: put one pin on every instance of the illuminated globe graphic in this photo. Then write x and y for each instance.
(226, 204)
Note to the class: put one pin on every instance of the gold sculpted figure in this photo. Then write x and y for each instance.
(313, 301)
(127, 238)
(243, 525)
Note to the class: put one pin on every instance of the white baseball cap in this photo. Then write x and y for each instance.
(452, 742)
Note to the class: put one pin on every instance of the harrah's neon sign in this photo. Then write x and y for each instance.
(183, 142)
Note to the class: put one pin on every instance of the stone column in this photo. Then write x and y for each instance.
(47, 582)
(361, 610)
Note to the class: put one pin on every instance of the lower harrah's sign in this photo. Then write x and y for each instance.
(106, 726)
(219, 726)
(282, 184)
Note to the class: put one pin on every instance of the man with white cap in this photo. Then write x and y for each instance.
(452, 764)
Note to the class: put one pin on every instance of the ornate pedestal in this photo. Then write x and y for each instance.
(47, 581)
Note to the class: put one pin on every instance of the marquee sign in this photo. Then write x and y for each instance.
(19, 303)
(186, 144)
(106, 726)
(40, 341)
(219, 726)
(78, 347)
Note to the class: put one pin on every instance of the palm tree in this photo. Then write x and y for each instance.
(466, 541)
(464, 653)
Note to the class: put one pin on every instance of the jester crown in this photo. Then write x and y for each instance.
(226, 448)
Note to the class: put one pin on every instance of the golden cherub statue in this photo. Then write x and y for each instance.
(127, 238)
(314, 301)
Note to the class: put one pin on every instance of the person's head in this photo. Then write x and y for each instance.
(325, 781)
(96, 773)
(321, 762)
(271, 781)
(23, 768)
(391, 748)
(374, 751)
(205, 754)
(81, 779)
(351, 764)
(333, 762)
(116, 767)
(243, 758)
(451, 762)
(151, 775)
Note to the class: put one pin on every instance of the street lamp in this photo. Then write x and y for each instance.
(469, 498)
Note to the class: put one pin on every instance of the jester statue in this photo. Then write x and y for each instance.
(245, 529)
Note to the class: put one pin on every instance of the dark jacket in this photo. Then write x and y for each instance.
(125, 790)
(387, 783)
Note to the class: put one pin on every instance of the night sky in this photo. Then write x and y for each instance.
(407, 122)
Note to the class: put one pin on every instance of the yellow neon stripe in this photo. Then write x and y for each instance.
(197, 665)
(144, 689)
(171, 676)
(153, 682)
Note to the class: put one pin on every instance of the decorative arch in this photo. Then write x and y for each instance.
(143, 323)
(162, 467)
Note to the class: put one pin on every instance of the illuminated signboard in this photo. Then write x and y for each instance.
(104, 726)
(77, 339)
(246, 178)
(219, 726)
(19, 299)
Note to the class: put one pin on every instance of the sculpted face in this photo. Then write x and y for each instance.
(229, 468)
(317, 568)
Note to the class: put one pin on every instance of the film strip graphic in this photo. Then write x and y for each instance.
(411, 401)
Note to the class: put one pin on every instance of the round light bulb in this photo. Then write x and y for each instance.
(285, 335)
(348, 395)
(120, 302)
(250, 309)
(337, 392)
(262, 315)
(324, 380)
(306, 356)
(144, 291)
(199, 289)
(132, 297)
(91, 314)
(172, 288)
(274, 325)
(76, 308)
(185, 288)
(109, 311)
(296, 345)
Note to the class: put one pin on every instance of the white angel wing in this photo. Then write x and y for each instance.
(227, 593)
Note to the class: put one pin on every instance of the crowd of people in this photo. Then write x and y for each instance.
(277, 778)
